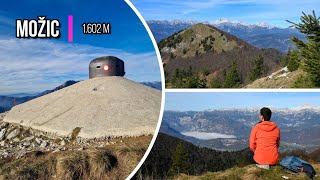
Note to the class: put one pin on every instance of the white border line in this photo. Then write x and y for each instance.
(164, 90)
(242, 90)
(162, 85)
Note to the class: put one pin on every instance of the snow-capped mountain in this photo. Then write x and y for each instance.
(261, 35)
(306, 107)
(173, 22)
(227, 22)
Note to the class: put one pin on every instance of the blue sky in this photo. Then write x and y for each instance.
(34, 65)
(274, 12)
(215, 100)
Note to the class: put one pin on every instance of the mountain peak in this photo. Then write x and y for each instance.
(199, 39)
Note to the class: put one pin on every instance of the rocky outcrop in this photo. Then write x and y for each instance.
(17, 141)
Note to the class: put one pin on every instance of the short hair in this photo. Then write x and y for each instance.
(266, 113)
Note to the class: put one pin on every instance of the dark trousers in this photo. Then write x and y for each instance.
(250, 159)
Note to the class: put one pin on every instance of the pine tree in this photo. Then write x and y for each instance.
(258, 68)
(179, 161)
(293, 61)
(309, 51)
(285, 59)
(232, 79)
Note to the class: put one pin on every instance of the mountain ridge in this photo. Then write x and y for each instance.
(259, 35)
(215, 22)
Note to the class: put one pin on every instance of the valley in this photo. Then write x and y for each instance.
(229, 129)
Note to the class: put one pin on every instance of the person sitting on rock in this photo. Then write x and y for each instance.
(264, 141)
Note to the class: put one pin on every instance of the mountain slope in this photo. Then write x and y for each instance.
(251, 172)
(259, 35)
(279, 79)
(204, 163)
(211, 52)
(199, 39)
(199, 160)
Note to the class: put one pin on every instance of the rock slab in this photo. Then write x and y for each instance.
(103, 106)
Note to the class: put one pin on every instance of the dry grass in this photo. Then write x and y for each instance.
(112, 162)
(281, 82)
(250, 173)
(69, 165)
(73, 166)
(28, 168)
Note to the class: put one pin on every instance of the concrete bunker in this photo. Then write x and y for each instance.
(106, 66)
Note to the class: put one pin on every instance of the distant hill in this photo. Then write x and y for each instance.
(164, 29)
(259, 35)
(156, 85)
(66, 84)
(7, 102)
(209, 53)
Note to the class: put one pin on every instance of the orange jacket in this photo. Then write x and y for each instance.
(264, 142)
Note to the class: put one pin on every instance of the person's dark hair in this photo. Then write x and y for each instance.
(266, 113)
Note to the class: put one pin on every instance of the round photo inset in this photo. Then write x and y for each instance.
(80, 89)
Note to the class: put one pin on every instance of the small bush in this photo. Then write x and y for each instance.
(214, 83)
(75, 133)
(293, 65)
(206, 71)
(303, 81)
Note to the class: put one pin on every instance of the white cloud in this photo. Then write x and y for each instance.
(36, 65)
